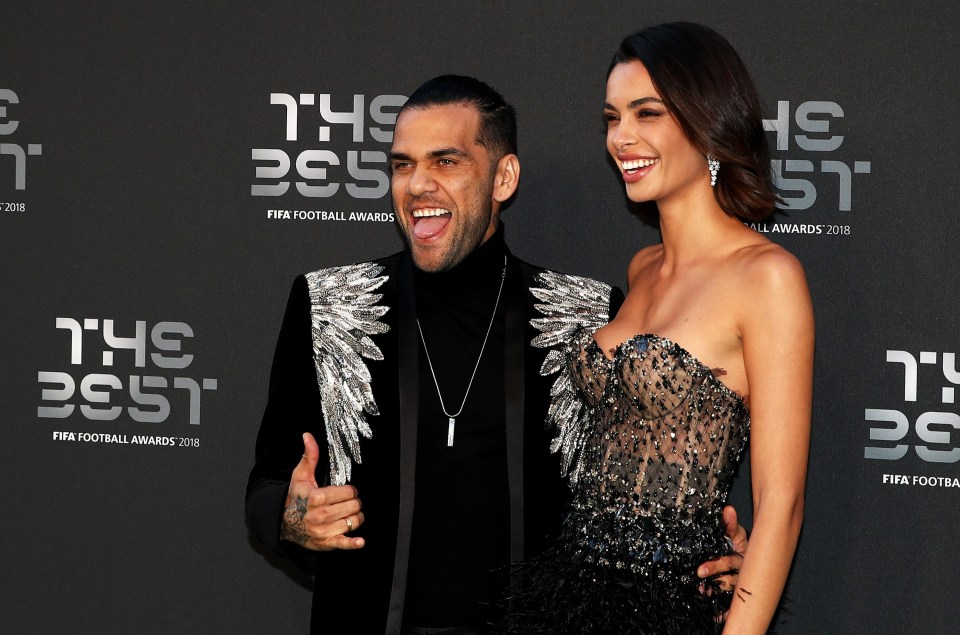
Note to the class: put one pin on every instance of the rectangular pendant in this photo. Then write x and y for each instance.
(450, 426)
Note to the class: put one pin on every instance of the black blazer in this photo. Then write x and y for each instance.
(362, 591)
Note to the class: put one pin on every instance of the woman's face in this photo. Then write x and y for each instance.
(656, 160)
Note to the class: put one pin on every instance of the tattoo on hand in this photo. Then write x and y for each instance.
(293, 528)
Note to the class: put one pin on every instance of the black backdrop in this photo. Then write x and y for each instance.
(142, 154)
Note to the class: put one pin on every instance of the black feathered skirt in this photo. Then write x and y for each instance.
(617, 572)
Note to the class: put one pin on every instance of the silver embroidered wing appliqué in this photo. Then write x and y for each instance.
(343, 315)
(568, 303)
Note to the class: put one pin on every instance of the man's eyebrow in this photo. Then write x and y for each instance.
(445, 152)
(433, 154)
(636, 103)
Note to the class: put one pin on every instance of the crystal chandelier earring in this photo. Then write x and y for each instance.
(714, 167)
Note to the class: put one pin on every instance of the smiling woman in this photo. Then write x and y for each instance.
(654, 409)
(708, 93)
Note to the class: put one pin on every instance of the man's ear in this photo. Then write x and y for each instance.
(507, 177)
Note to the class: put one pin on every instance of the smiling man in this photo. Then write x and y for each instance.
(417, 374)
(447, 185)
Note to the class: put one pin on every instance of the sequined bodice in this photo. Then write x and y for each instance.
(663, 441)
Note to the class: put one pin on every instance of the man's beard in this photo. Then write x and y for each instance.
(463, 242)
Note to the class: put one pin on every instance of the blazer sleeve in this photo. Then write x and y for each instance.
(293, 407)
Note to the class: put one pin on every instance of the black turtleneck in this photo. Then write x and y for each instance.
(461, 522)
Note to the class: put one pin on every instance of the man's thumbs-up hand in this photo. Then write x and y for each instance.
(318, 518)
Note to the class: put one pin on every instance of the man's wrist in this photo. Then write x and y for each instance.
(292, 527)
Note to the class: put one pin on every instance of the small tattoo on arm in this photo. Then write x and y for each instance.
(293, 528)
(740, 595)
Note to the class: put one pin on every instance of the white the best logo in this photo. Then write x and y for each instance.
(934, 427)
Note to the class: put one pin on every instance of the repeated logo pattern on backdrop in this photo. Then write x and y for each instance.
(336, 157)
(895, 434)
(114, 375)
(13, 172)
(816, 185)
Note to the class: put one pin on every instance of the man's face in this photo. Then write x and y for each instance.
(443, 184)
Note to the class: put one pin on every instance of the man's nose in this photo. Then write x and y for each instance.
(421, 182)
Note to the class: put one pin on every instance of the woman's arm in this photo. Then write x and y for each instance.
(777, 334)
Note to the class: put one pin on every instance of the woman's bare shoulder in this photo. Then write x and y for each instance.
(770, 284)
(766, 263)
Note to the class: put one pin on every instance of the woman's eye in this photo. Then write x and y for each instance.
(648, 113)
(609, 118)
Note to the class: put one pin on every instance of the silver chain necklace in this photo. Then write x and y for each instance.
(452, 418)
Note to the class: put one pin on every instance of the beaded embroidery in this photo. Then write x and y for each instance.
(663, 439)
(344, 314)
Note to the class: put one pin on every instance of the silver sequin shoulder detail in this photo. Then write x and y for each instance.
(344, 314)
(569, 304)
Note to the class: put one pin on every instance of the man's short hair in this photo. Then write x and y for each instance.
(498, 119)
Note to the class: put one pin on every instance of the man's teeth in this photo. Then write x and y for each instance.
(424, 213)
(639, 163)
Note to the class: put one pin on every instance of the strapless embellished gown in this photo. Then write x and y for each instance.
(651, 439)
